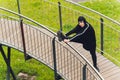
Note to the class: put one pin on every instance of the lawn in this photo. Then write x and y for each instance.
(46, 13)
(110, 8)
(30, 67)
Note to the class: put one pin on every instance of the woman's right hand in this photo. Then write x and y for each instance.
(66, 40)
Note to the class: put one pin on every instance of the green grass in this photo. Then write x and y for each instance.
(31, 67)
(47, 14)
(110, 8)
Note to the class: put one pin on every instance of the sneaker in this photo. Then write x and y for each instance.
(61, 36)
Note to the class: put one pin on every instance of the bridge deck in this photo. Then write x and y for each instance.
(108, 70)
(40, 48)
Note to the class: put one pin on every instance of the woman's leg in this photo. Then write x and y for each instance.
(94, 57)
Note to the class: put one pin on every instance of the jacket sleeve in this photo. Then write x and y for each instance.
(72, 31)
(77, 40)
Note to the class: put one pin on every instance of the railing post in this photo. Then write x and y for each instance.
(22, 30)
(102, 35)
(84, 72)
(60, 15)
(23, 39)
(54, 58)
(18, 4)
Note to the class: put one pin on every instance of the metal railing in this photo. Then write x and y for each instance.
(71, 11)
(70, 64)
(109, 31)
(73, 65)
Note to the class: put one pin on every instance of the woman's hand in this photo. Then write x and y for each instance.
(66, 40)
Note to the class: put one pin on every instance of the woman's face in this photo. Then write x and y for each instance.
(81, 23)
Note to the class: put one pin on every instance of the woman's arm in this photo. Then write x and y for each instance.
(72, 31)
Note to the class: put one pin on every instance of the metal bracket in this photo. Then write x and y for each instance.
(7, 61)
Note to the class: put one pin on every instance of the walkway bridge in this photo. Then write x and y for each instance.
(37, 41)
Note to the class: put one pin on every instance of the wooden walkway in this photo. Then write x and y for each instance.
(38, 45)
(108, 70)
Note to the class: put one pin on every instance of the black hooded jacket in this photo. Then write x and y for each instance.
(87, 38)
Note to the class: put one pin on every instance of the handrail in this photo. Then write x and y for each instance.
(86, 61)
(54, 35)
(4, 9)
(114, 21)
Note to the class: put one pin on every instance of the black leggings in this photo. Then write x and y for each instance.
(94, 58)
